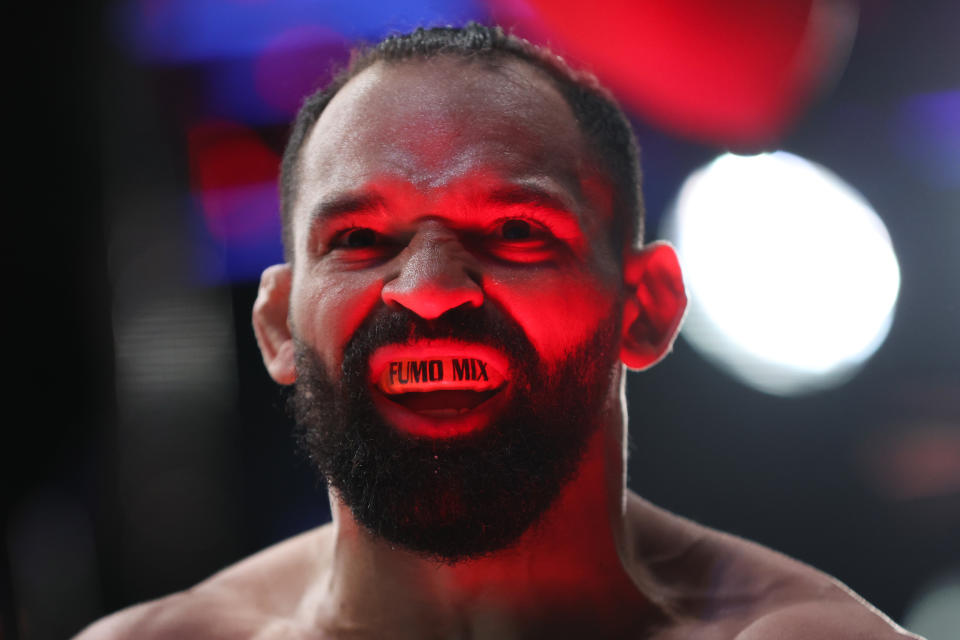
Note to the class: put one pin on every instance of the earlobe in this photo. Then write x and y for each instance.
(655, 304)
(270, 323)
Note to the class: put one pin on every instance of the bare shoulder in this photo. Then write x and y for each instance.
(256, 597)
(825, 621)
(720, 585)
(186, 615)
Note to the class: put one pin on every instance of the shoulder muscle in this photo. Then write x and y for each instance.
(182, 615)
(825, 621)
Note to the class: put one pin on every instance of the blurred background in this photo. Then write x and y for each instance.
(804, 156)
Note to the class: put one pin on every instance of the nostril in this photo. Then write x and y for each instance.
(435, 276)
(429, 300)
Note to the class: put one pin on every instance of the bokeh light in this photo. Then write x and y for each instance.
(927, 134)
(233, 177)
(791, 274)
(935, 612)
(734, 73)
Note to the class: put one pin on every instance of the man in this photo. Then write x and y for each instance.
(461, 296)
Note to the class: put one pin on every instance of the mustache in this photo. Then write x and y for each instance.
(481, 325)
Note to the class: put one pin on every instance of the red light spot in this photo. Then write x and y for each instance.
(230, 167)
(730, 72)
(227, 154)
(923, 462)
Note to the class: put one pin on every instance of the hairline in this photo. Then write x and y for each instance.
(562, 78)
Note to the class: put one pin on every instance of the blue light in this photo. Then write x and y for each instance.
(184, 31)
(248, 240)
(927, 132)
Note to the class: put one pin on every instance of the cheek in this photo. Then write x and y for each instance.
(328, 310)
(558, 311)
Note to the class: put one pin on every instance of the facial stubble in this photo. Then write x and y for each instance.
(465, 496)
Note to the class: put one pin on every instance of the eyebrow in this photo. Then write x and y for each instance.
(347, 204)
(529, 195)
(360, 203)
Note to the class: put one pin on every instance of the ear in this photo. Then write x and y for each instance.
(270, 323)
(655, 304)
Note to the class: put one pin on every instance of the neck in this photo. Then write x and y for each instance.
(575, 559)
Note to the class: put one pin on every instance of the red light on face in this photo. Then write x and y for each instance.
(440, 414)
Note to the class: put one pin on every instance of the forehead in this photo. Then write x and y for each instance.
(444, 125)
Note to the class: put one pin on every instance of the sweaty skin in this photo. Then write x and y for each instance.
(412, 184)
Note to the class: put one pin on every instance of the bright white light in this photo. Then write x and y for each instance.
(791, 275)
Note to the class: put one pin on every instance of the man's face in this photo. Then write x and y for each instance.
(455, 299)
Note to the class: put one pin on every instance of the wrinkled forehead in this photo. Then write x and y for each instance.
(430, 123)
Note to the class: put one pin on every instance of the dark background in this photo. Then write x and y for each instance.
(145, 447)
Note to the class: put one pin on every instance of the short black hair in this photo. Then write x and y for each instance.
(596, 111)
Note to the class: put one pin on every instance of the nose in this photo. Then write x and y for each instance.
(436, 274)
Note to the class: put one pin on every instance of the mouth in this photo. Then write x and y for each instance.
(438, 389)
(442, 404)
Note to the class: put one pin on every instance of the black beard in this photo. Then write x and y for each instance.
(466, 496)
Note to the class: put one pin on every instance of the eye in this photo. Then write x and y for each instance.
(357, 238)
(516, 230)
(521, 240)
